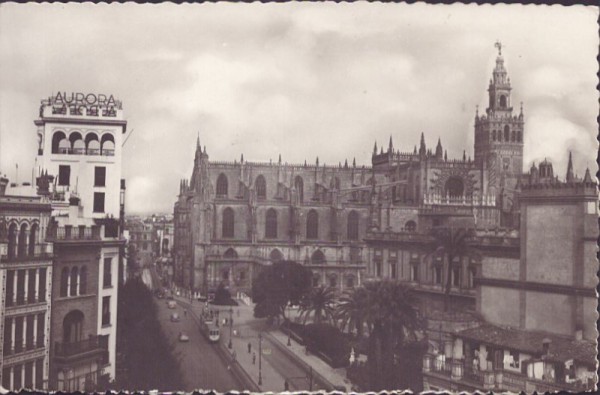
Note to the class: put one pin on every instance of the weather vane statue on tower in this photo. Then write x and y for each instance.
(499, 46)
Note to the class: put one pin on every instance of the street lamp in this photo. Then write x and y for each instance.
(260, 358)
(230, 345)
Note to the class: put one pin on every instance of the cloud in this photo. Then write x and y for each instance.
(297, 79)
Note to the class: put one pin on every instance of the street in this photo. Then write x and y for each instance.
(201, 366)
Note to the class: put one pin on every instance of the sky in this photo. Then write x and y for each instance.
(300, 80)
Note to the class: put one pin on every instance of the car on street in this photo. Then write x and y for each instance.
(183, 337)
(172, 304)
(175, 317)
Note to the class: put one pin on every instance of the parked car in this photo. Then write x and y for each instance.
(175, 317)
(172, 304)
(183, 337)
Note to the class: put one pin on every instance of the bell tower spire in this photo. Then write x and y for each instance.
(499, 134)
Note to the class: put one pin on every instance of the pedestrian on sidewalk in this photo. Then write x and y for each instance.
(254, 358)
(185, 312)
(249, 347)
(286, 386)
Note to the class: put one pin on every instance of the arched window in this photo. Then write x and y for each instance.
(271, 224)
(33, 233)
(74, 281)
(64, 282)
(230, 254)
(518, 136)
(502, 101)
(83, 280)
(12, 240)
(317, 258)
(228, 223)
(312, 225)
(92, 145)
(57, 137)
(222, 185)
(261, 187)
(513, 136)
(493, 135)
(73, 327)
(23, 240)
(506, 133)
(299, 186)
(107, 145)
(77, 144)
(276, 255)
(410, 226)
(353, 221)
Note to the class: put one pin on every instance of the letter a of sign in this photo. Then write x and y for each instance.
(58, 99)
(111, 100)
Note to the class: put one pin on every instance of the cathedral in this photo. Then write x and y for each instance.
(232, 217)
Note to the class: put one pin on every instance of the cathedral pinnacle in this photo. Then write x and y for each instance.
(438, 150)
(498, 45)
(570, 177)
(375, 148)
(422, 148)
(587, 178)
(391, 145)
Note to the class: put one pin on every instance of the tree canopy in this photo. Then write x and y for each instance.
(277, 285)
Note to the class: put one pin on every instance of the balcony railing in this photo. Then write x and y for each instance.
(40, 251)
(90, 345)
(76, 233)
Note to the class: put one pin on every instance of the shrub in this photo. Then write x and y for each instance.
(330, 341)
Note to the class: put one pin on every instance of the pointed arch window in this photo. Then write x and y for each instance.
(12, 240)
(353, 222)
(312, 225)
(32, 239)
(261, 187)
(222, 185)
(518, 136)
(228, 223)
(493, 135)
(513, 136)
(506, 133)
(271, 224)
(299, 186)
(23, 240)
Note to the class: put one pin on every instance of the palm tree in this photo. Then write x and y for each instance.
(353, 311)
(320, 301)
(395, 318)
(452, 243)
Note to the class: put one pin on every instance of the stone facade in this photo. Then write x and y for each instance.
(233, 216)
(25, 289)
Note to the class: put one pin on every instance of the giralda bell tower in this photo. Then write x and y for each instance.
(499, 136)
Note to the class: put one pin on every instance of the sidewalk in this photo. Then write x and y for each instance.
(271, 379)
(337, 377)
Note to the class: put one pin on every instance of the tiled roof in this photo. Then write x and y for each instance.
(531, 342)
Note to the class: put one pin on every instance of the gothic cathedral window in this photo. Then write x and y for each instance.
(222, 185)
